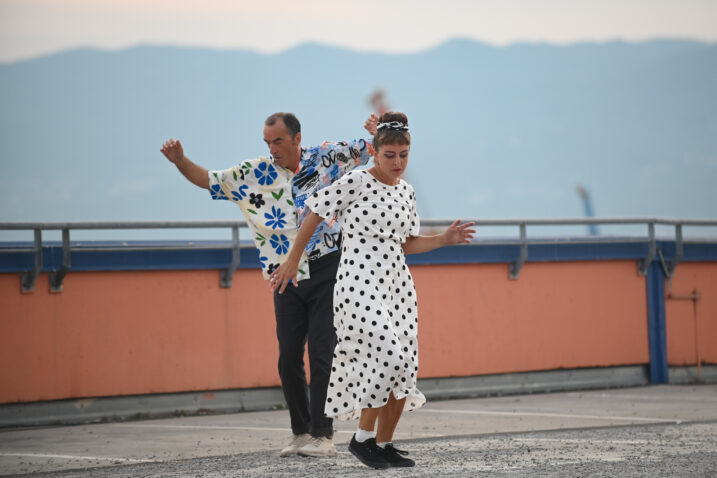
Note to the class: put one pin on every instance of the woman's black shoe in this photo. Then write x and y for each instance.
(393, 456)
(368, 453)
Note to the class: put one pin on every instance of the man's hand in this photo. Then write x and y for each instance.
(458, 234)
(196, 174)
(371, 124)
(283, 275)
(173, 150)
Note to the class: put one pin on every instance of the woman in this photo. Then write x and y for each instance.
(375, 364)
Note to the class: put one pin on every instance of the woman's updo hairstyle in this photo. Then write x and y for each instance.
(392, 129)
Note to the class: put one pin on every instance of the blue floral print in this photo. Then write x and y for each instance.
(275, 218)
(265, 173)
(240, 193)
(273, 199)
(217, 193)
(279, 242)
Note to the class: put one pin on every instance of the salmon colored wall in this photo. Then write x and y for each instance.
(473, 320)
(126, 333)
(123, 333)
(680, 315)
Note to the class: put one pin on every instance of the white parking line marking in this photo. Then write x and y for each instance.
(552, 415)
(221, 427)
(201, 427)
(76, 457)
(653, 398)
(579, 440)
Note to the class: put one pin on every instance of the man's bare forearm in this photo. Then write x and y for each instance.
(193, 172)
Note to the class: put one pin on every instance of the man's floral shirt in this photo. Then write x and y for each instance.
(273, 199)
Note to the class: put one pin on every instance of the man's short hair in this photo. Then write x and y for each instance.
(291, 122)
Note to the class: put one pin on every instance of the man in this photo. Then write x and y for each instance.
(271, 193)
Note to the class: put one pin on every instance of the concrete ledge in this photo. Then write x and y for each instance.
(134, 407)
(89, 410)
(688, 375)
(534, 382)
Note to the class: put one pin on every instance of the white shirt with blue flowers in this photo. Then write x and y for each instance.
(272, 199)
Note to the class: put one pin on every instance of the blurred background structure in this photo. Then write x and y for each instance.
(588, 206)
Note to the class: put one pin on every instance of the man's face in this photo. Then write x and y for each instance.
(283, 148)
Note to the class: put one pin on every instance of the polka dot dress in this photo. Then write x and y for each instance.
(374, 298)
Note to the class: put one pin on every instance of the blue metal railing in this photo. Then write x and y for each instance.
(68, 248)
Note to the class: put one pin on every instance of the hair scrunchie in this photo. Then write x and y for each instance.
(396, 125)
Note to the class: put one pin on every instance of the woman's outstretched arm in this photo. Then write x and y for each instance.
(455, 234)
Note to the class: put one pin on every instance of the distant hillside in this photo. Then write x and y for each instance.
(498, 131)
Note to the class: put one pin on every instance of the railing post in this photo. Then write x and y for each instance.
(644, 264)
(517, 265)
(228, 273)
(27, 279)
(57, 277)
(679, 251)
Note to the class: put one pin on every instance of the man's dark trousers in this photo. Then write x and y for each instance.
(306, 312)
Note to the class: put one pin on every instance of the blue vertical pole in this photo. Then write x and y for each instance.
(656, 327)
(588, 207)
(592, 228)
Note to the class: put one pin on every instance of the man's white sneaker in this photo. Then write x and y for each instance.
(318, 446)
(297, 441)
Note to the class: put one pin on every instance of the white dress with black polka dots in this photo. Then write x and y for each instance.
(374, 298)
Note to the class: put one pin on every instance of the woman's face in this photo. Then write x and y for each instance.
(392, 159)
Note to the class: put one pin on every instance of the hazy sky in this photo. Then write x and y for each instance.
(30, 28)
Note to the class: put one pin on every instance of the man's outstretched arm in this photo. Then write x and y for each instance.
(196, 174)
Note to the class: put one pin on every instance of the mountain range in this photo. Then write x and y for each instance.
(498, 132)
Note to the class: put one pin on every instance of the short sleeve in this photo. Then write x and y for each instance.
(415, 227)
(229, 184)
(361, 151)
(336, 197)
(344, 156)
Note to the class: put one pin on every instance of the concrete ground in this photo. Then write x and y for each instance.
(667, 430)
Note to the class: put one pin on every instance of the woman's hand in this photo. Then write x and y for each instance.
(284, 274)
(458, 233)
